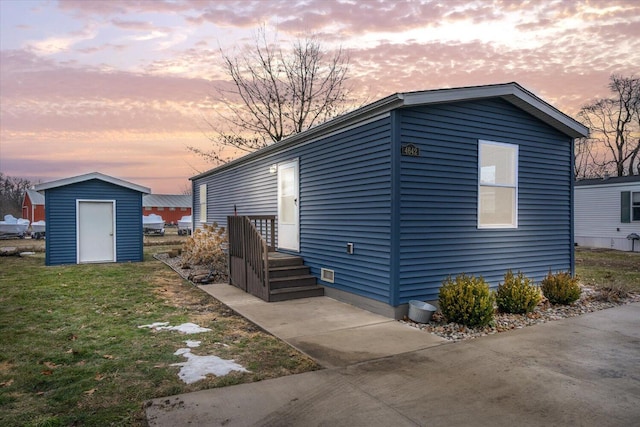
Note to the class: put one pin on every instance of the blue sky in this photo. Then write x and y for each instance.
(123, 86)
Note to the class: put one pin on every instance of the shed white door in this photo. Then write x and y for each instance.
(96, 231)
(288, 206)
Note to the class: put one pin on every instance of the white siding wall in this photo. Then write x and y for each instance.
(597, 217)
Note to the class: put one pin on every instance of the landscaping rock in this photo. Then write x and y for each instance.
(8, 251)
(588, 302)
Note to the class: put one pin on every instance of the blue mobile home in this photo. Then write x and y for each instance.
(93, 218)
(384, 202)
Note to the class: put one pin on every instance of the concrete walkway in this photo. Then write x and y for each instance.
(333, 333)
(579, 371)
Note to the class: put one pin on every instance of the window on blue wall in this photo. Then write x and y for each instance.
(498, 185)
(635, 206)
(203, 202)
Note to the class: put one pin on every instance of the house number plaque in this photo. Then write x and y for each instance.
(410, 150)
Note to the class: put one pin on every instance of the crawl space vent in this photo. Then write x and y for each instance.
(326, 275)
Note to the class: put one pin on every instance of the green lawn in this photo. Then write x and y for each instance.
(71, 352)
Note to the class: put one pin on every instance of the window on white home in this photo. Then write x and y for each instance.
(203, 202)
(635, 206)
(498, 185)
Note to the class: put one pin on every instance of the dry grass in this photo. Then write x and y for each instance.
(610, 269)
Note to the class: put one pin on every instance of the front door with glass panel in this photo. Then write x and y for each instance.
(288, 206)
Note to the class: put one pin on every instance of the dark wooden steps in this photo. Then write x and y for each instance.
(289, 278)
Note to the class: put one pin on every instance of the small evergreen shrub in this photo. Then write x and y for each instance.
(206, 247)
(560, 288)
(466, 300)
(517, 294)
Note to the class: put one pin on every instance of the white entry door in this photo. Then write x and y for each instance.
(288, 206)
(96, 231)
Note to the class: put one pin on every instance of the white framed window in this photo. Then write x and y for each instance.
(203, 202)
(497, 185)
(635, 206)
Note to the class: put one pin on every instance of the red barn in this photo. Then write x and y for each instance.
(171, 207)
(33, 206)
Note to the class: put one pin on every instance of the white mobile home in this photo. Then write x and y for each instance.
(607, 212)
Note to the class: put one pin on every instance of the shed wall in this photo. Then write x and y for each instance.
(61, 220)
(439, 195)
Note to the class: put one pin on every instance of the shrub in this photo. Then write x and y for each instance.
(517, 294)
(206, 247)
(613, 293)
(466, 300)
(560, 288)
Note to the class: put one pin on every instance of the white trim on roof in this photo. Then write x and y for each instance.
(510, 92)
(89, 176)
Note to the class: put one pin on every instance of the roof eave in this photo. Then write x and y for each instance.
(510, 92)
(89, 176)
(371, 110)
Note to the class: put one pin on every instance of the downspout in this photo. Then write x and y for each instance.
(571, 208)
(394, 261)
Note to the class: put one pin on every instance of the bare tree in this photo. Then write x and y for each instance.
(586, 164)
(276, 93)
(615, 126)
(11, 194)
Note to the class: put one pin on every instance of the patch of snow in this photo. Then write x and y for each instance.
(154, 325)
(189, 328)
(197, 367)
(185, 328)
(193, 344)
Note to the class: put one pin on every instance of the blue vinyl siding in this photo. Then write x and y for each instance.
(252, 189)
(61, 220)
(413, 220)
(345, 196)
(439, 193)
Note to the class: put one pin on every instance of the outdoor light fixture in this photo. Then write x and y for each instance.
(273, 169)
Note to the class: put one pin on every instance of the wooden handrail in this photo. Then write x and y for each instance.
(266, 226)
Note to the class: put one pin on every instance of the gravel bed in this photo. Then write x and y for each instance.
(590, 300)
(189, 273)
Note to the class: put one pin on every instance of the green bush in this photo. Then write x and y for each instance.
(466, 300)
(560, 288)
(517, 294)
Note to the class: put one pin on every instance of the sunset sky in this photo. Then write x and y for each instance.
(123, 87)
